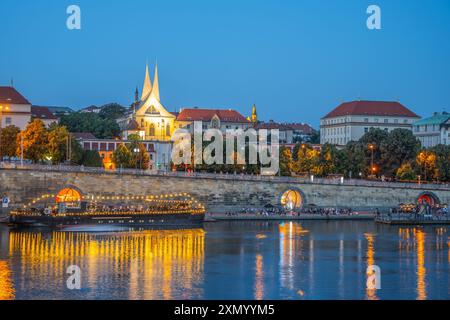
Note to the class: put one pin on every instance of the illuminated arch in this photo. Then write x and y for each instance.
(428, 198)
(68, 195)
(292, 199)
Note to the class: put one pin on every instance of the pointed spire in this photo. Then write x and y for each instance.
(254, 117)
(147, 88)
(155, 90)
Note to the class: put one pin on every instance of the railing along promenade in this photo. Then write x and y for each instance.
(411, 217)
(225, 176)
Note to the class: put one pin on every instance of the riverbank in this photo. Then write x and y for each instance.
(220, 216)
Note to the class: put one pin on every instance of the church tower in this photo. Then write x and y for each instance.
(254, 116)
(152, 118)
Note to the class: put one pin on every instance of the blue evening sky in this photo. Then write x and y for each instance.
(295, 59)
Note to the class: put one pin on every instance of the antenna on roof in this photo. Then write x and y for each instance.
(12, 82)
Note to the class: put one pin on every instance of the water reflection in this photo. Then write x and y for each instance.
(371, 291)
(231, 260)
(150, 264)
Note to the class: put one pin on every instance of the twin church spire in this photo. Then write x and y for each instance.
(148, 89)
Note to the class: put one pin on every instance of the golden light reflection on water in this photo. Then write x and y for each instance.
(6, 285)
(259, 277)
(371, 294)
(419, 236)
(150, 263)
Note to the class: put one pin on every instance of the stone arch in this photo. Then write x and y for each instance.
(69, 191)
(292, 198)
(428, 197)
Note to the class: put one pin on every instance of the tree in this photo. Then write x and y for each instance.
(34, 141)
(399, 147)
(91, 122)
(442, 153)
(351, 161)
(112, 111)
(285, 161)
(76, 152)
(427, 162)
(374, 138)
(141, 159)
(123, 157)
(91, 158)
(406, 172)
(57, 144)
(8, 145)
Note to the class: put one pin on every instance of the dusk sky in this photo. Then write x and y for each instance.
(296, 60)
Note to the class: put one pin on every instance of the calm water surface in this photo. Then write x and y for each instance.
(230, 260)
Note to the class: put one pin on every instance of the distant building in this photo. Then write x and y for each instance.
(60, 111)
(254, 117)
(351, 120)
(43, 114)
(221, 119)
(289, 133)
(433, 130)
(15, 109)
(153, 122)
(91, 109)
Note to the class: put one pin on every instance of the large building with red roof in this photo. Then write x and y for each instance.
(351, 120)
(15, 109)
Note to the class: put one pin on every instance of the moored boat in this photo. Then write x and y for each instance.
(71, 210)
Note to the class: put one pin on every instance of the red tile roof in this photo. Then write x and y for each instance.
(42, 113)
(207, 114)
(12, 96)
(83, 135)
(371, 108)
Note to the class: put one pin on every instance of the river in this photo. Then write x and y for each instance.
(230, 260)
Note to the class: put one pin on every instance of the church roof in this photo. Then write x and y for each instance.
(371, 108)
(11, 96)
(195, 114)
(132, 125)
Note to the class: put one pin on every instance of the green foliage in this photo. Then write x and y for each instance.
(102, 128)
(112, 111)
(400, 146)
(442, 161)
(8, 146)
(56, 150)
(123, 157)
(91, 158)
(406, 172)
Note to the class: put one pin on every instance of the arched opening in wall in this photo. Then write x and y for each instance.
(291, 199)
(428, 198)
(69, 198)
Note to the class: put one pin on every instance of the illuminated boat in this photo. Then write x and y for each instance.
(70, 209)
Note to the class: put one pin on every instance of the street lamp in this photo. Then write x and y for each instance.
(372, 167)
(5, 108)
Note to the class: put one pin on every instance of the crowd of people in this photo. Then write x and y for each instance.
(279, 211)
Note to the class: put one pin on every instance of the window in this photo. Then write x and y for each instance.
(152, 110)
(366, 119)
(8, 121)
(151, 130)
(405, 121)
(168, 130)
(395, 120)
(386, 120)
(376, 120)
(366, 130)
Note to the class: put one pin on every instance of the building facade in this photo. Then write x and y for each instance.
(158, 151)
(15, 109)
(351, 120)
(433, 130)
(43, 114)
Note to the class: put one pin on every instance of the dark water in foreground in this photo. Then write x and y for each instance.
(230, 260)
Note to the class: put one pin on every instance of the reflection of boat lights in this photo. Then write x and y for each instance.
(421, 270)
